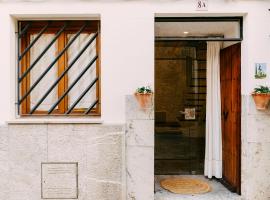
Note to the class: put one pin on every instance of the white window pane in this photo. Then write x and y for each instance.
(226, 29)
(78, 67)
(39, 68)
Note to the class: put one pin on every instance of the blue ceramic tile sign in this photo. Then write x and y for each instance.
(260, 70)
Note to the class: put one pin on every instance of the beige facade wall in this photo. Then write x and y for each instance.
(127, 61)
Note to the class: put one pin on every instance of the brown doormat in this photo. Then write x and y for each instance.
(185, 186)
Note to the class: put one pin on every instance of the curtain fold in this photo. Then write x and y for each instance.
(78, 67)
(73, 73)
(39, 68)
(213, 147)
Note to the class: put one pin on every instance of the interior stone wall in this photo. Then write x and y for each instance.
(98, 149)
(170, 65)
(180, 79)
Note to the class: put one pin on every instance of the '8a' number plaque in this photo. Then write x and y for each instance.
(201, 5)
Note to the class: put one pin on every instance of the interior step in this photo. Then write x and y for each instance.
(195, 96)
(198, 74)
(202, 86)
(199, 70)
(201, 54)
(195, 99)
(203, 78)
(195, 93)
(196, 105)
(201, 64)
(197, 90)
(200, 81)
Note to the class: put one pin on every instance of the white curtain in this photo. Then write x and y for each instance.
(73, 73)
(213, 147)
(39, 68)
(80, 64)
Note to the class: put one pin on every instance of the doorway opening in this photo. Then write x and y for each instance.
(180, 103)
(181, 89)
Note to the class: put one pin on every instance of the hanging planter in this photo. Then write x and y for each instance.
(261, 96)
(144, 96)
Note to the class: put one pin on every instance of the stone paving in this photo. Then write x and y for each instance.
(219, 192)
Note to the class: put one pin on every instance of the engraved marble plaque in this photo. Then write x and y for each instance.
(59, 180)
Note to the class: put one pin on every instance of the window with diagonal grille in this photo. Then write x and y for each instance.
(58, 68)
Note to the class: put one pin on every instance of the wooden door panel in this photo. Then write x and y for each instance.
(230, 72)
(236, 99)
(227, 69)
(222, 66)
(236, 60)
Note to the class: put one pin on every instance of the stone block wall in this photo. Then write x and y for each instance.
(98, 150)
(255, 151)
(139, 151)
(114, 164)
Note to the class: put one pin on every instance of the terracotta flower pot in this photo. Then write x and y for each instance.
(144, 100)
(261, 100)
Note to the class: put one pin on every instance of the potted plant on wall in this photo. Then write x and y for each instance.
(144, 96)
(261, 96)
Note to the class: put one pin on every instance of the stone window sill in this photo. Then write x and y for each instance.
(56, 121)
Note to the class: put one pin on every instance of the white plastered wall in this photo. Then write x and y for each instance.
(127, 42)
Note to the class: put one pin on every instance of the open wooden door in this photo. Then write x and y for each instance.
(230, 72)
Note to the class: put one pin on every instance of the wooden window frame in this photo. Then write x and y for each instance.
(93, 26)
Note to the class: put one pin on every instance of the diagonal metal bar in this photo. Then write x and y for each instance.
(71, 86)
(81, 96)
(42, 53)
(52, 64)
(65, 71)
(91, 107)
(60, 77)
(24, 30)
(34, 41)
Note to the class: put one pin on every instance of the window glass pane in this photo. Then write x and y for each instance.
(78, 67)
(216, 29)
(39, 68)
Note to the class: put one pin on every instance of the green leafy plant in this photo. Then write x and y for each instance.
(262, 90)
(144, 90)
(260, 76)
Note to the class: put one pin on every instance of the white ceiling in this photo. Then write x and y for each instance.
(197, 29)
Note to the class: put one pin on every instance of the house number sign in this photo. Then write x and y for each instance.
(202, 5)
